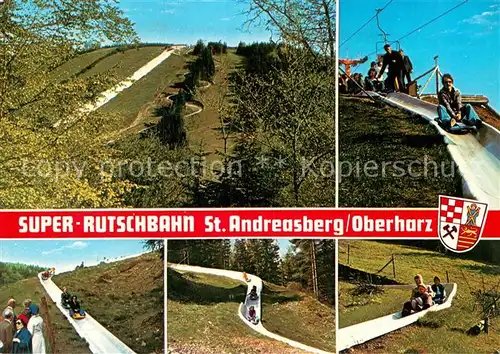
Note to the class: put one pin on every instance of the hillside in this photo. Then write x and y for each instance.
(13, 272)
(391, 159)
(439, 332)
(202, 317)
(123, 62)
(126, 297)
(65, 337)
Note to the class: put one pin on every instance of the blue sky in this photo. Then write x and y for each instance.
(467, 39)
(284, 245)
(66, 254)
(186, 21)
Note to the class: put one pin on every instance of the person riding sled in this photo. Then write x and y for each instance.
(74, 307)
(421, 297)
(252, 315)
(451, 110)
(65, 298)
(253, 293)
(439, 291)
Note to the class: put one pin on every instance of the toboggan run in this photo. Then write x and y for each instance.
(243, 308)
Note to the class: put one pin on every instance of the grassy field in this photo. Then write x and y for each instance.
(357, 309)
(203, 129)
(299, 317)
(123, 64)
(391, 159)
(65, 337)
(78, 63)
(439, 332)
(136, 104)
(202, 317)
(126, 297)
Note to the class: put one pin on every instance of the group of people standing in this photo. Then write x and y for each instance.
(22, 333)
(396, 64)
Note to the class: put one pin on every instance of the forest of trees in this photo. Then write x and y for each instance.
(13, 272)
(310, 264)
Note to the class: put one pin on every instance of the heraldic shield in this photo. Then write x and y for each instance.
(461, 223)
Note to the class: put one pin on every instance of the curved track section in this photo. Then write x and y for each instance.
(476, 155)
(100, 340)
(243, 309)
(362, 332)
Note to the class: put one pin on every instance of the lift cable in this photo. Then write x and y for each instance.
(426, 24)
(366, 24)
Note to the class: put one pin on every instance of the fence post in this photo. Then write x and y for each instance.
(447, 278)
(348, 254)
(48, 325)
(393, 267)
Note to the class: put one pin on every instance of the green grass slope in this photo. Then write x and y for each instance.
(203, 317)
(126, 297)
(439, 332)
(122, 63)
(65, 337)
(136, 105)
(390, 159)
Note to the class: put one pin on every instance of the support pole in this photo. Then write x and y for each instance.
(437, 75)
(393, 267)
(447, 278)
(348, 254)
(429, 80)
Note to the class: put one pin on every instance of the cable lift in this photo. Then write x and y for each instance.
(384, 34)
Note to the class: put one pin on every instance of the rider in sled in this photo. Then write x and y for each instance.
(65, 298)
(252, 314)
(421, 298)
(451, 110)
(253, 293)
(439, 291)
(74, 307)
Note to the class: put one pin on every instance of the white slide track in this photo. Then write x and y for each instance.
(477, 155)
(243, 309)
(108, 95)
(99, 339)
(362, 332)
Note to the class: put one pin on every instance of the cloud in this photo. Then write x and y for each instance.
(75, 245)
(489, 18)
(169, 12)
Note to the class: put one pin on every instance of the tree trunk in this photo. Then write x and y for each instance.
(314, 269)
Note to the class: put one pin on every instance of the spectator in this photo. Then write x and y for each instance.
(394, 62)
(7, 331)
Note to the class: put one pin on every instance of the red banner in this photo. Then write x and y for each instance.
(216, 223)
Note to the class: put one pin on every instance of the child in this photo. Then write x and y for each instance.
(253, 293)
(417, 303)
(439, 290)
(252, 314)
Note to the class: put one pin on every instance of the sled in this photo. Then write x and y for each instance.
(458, 128)
(254, 321)
(78, 316)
